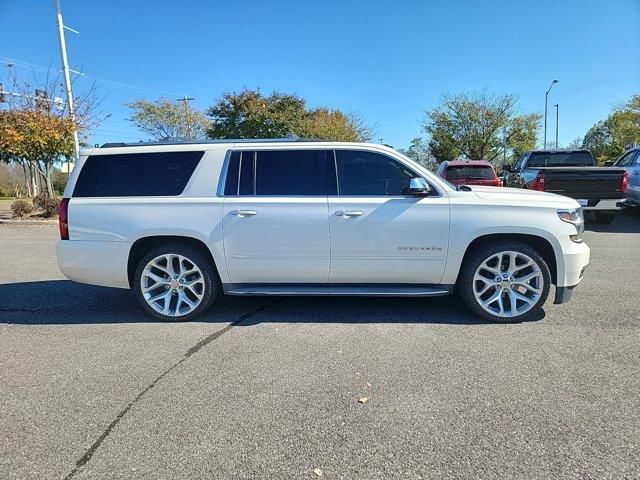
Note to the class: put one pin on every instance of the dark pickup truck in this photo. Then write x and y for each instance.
(571, 173)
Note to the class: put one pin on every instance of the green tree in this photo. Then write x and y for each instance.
(249, 114)
(419, 152)
(608, 138)
(165, 119)
(576, 143)
(479, 126)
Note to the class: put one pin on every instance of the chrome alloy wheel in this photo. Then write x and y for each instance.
(508, 284)
(172, 285)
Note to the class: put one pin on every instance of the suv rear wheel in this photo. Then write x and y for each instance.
(505, 282)
(175, 282)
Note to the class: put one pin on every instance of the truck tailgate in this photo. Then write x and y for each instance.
(584, 182)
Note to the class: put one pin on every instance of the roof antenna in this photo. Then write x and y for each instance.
(292, 136)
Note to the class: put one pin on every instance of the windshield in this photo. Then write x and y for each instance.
(470, 173)
(560, 159)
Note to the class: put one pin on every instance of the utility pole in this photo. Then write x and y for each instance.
(546, 96)
(67, 77)
(186, 100)
(557, 116)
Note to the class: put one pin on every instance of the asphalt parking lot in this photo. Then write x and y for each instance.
(269, 387)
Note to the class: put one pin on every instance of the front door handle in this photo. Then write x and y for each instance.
(243, 213)
(348, 213)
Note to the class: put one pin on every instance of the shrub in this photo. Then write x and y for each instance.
(50, 207)
(40, 200)
(21, 208)
(46, 204)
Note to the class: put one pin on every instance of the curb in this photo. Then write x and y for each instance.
(28, 222)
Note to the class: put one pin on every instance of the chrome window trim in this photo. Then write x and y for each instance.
(227, 160)
(384, 154)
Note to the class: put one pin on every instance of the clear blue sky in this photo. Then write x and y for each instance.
(387, 61)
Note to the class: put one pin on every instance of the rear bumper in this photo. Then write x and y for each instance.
(604, 205)
(96, 263)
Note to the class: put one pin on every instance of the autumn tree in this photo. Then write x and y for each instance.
(249, 114)
(36, 131)
(165, 119)
(36, 140)
(479, 126)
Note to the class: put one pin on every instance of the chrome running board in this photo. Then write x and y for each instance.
(332, 289)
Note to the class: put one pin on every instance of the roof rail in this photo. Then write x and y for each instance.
(292, 138)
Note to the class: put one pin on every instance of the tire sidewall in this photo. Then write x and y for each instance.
(195, 256)
(483, 253)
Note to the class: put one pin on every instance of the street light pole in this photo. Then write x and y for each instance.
(67, 78)
(557, 116)
(186, 100)
(546, 96)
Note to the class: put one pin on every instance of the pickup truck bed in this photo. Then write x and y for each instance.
(585, 183)
(571, 173)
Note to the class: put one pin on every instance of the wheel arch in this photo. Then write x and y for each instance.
(539, 243)
(142, 245)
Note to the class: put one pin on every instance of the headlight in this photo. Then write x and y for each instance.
(574, 217)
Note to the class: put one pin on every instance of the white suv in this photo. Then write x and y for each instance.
(181, 223)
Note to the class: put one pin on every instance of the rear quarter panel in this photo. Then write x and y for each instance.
(196, 213)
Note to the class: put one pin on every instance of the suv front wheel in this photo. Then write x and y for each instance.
(507, 281)
(175, 282)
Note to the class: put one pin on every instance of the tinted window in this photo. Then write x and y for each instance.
(470, 173)
(231, 182)
(627, 160)
(247, 169)
(136, 174)
(369, 173)
(291, 172)
(519, 164)
(559, 159)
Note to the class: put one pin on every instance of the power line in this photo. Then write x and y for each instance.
(23, 64)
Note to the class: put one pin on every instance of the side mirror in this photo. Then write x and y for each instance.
(418, 186)
(608, 164)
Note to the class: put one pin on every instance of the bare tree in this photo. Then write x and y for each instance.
(36, 130)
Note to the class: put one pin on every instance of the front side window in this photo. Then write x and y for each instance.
(136, 174)
(520, 163)
(362, 173)
(627, 160)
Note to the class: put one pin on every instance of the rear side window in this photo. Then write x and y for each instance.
(470, 173)
(560, 159)
(370, 173)
(136, 174)
(277, 172)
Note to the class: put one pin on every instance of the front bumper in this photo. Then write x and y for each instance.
(576, 258)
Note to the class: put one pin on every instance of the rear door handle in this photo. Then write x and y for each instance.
(348, 213)
(243, 213)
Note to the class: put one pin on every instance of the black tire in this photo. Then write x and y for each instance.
(605, 217)
(196, 257)
(477, 257)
